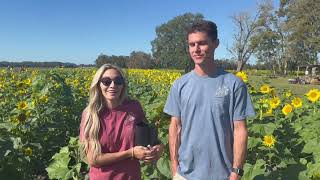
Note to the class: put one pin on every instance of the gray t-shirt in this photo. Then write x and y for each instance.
(207, 107)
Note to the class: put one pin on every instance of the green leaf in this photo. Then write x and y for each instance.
(50, 110)
(38, 145)
(7, 153)
(311, 146)
(6, 125)
(303, 161)
(58, 169)
(77, 167)
(69, 175)
(265, 129)
(17, 144)
(253, 142)
(164, 167)
(252, 171)
(313, 170)
(73, 141)
(27, 158)
(295, 171)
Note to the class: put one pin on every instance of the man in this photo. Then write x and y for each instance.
(207, 133)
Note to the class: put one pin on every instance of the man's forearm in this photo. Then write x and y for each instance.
(240, 145)
(174, 143)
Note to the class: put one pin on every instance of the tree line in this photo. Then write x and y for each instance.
(36, 64)
(145, 61)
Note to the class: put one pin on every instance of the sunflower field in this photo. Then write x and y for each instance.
(41, 108)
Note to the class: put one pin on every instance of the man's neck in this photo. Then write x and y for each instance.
(205, 69)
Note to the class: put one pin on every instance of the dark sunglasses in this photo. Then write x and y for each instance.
(117, 81)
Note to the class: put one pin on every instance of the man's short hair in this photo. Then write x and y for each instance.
(208, 27)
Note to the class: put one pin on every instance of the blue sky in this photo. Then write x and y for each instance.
(78, 31)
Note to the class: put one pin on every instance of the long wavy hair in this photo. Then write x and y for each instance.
(91, 122)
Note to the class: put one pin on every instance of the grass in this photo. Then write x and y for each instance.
(282, 83)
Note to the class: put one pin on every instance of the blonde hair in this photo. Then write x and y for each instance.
(91, 122)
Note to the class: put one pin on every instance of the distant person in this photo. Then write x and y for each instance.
(107, 129)
(208, 108)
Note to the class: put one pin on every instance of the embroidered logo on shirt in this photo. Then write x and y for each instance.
(222, 91)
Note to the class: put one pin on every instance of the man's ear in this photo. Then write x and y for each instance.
(216, 43)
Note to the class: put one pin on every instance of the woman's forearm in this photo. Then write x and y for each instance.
(109, 158)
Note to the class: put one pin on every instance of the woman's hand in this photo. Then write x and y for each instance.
(155, 153)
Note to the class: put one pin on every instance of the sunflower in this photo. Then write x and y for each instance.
(274, 102)
(269, 112)
(22, 105)
(242, 75)
(75, 82)
(28, 151)
(287, 109)
(27, 82)
(288, 93)
(22, 92)
(296, 102)
(269, 141)
(44, 99)
(265, 89)
(313, 95)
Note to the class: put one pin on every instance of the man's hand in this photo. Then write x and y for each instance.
(234, 176)
(155, 153)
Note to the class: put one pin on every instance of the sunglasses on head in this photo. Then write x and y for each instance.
(107, 81)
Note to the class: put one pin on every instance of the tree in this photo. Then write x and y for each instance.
(287, 37)
(102, 59)
(226, 64)
(120, 61)
(141, 60)
(270, 40)
(246, 27)
(303, 24)
(170, 48)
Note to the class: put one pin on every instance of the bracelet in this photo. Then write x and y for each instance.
(132, 153)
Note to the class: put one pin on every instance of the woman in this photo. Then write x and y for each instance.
(107, 129)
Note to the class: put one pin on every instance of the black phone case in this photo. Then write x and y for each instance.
(145, 135)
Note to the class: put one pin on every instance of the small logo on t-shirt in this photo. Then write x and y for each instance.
(222, 91)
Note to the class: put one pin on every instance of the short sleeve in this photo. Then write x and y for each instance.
(242, 106)
(140, 113)
(172, 106)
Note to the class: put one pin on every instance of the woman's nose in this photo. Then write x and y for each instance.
(112, 84)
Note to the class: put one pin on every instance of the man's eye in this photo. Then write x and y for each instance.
(203, 43)
(191, 44)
